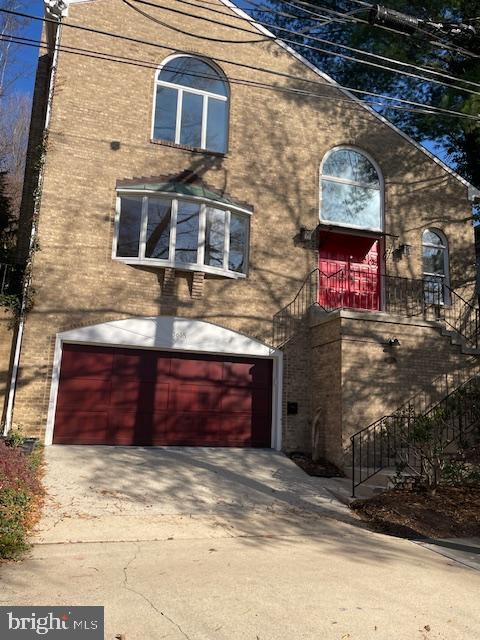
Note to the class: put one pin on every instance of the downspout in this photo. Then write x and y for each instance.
(33, 237)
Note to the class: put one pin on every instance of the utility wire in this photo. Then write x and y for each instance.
(425, 108)
(438, 41)
(350, 16)
(298, 44)
(121, 37)
(186, 33)
(420, 108)
(435, 42)
(352, 59)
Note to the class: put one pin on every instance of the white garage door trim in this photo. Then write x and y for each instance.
(169, 333)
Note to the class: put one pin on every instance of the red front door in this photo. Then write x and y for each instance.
(349, 272)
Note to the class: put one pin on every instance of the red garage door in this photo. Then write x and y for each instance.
(137, 397)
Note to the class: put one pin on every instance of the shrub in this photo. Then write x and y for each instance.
(15, 438)
(20, 497)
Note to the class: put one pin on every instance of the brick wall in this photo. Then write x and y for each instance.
(297, 371)
(357, 378)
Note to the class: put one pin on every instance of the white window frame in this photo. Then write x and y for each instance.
(446, 261)
(181, 89)
(381, 189)
(171, 262)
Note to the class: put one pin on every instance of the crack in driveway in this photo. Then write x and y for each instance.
(142, 595)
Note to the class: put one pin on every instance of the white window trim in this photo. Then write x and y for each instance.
(446, 261)
(171, 262)
(181, 90)
(380, 188)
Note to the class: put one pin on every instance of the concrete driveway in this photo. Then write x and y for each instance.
(229, 544)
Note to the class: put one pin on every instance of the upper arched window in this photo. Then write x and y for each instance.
(351, 190)
(191, 104)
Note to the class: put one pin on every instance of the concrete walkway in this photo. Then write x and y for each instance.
(229, 544)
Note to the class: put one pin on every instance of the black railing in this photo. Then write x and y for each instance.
(462, 317)
(365, 290)
(387, 441)
(285, 321)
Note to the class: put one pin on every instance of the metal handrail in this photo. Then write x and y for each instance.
(373, 436)
(429, 298)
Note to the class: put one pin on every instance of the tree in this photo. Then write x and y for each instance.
(6, 221)
(14, 106)
(459, 137)
(14, 128)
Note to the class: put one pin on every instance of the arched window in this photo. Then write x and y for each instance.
(435, 265)
(351, 190)
(191, 104)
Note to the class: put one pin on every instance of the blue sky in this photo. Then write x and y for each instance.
(29, 56)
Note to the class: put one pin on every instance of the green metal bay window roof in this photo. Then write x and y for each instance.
(196, 190)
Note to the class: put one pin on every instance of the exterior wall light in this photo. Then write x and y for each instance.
(305, 234)
(405, 249)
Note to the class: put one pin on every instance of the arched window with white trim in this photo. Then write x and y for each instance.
(191, 104)
(435, 266)
(351, 190)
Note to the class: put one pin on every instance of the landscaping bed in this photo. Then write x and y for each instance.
(320, 468)
(452, 511)
(21, 495)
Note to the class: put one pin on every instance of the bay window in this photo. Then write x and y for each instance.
(181, 232)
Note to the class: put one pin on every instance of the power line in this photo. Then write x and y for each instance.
(420, 108)
(186, 33)
(434, 42)
(352, 17)
(425, 108)
(352, 59)
(306, 46)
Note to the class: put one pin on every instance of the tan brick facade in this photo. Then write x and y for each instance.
(352, 376)
(100, 133)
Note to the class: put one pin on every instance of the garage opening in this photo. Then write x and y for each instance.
(123, 396)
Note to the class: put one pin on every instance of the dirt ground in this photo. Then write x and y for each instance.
(448, 513)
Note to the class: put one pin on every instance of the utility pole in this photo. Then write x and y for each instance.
(409, 24)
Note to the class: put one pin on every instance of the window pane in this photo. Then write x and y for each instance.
(158, 228)
(165, 114)
(238, 243)
(433, 260)
(350, 165)
(430, 237)
(215, 237)
(129, 227)
(217, 125)
(187, 232)
(191, 129)
(351, 205)
(195, 73)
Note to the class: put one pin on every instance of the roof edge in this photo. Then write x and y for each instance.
(472, 191)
